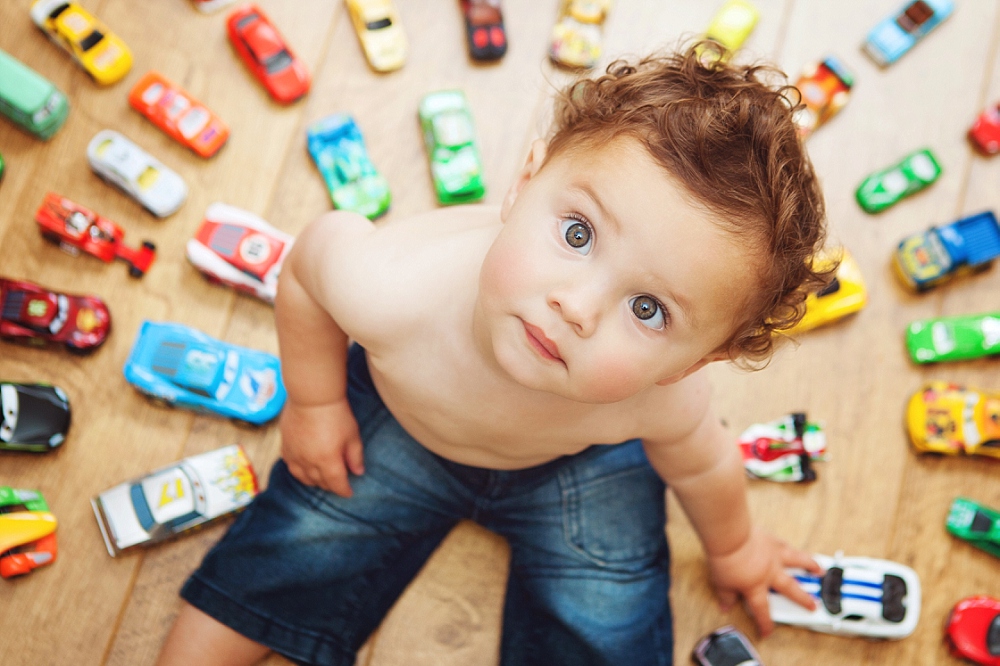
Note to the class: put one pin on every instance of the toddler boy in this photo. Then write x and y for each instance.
(535, 369)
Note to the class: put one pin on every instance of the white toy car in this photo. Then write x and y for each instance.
(239, 249)
(857, 596)
(117, 160)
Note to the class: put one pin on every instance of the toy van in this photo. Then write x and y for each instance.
(30, 100)
(968, 245)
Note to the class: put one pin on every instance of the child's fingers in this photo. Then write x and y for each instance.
(789, 587)
(792, 557)
(355, 457)
(334, 479)
(727, 599)
(760, 610)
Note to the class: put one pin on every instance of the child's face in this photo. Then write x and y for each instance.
(606, 277)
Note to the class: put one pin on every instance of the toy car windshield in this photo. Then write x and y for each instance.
(993, 637)
(914, 16)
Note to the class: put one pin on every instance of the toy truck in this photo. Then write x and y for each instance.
(969, 245)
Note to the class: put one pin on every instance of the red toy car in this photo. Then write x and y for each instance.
(985, 132)
(182, 117)
(73, 228)
(264, 51)
(973, 630)
(484, 29)
(35, 315)
(25, 559)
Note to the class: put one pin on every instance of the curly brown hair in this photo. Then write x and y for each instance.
(727, 135)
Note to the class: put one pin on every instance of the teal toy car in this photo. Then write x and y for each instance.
(450, 137)
(30, 100)
(885, 188)
(337, 147)
(958, 338)
(975, 523)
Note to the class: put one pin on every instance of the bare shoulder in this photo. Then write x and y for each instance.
(674, 413)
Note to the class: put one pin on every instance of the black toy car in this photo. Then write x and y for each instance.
(725, 647)
(33, 417)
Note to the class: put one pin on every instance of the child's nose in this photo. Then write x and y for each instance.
(577, 308)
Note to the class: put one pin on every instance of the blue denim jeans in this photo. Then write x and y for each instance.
(311, 574)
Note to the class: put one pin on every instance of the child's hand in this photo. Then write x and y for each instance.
(320, 443)
(754, 568)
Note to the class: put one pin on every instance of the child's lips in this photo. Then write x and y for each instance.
(545, 347)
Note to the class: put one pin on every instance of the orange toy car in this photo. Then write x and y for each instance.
(174, 111)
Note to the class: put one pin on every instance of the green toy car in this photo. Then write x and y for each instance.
(2, 167)
(958, 338)
(29, 99)
(884, 188)
(450, 138)
(337, 147)
(975, 523)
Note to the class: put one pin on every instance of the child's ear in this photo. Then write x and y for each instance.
(536, 157)
(673, 379)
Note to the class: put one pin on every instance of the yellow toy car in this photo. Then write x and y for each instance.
(732, 24)
(948, 418)
(99, 51)
(576, 37)
(845, 295)
(380, 31)
(21, 527)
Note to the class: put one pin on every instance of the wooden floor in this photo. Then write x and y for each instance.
(874, 497)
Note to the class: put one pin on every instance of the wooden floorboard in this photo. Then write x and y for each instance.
(874, 497)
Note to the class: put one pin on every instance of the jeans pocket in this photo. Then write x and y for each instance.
(619, 517)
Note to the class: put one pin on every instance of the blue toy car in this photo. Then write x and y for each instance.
(929, 258)
(337, 147)
(897, 34)
(183, 367)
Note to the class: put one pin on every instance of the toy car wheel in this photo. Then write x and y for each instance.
(246, 425)
(159, 402)
(78, 351)
(149, 245)
(135, 272)
(52, 237)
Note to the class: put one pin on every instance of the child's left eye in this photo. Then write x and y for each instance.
(578, 234)
(649, 312)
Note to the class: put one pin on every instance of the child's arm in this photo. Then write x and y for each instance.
(705, 470)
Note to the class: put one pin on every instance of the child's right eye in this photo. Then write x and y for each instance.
(578, 234)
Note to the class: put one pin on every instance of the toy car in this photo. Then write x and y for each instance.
(239, 249)
(73, 228)
(952, 419)
(32, 314)
(954, 338)
(118, 161)
(732, 24)
(897, 34)
(100, 52)
(968, 245)
(725, 647)
(30, 100)
(380, 32)
(265, 52)
(884, 188)
(973, 630)
(2, 167)
(858, 596)
(825, 88)
(175, 499)
(183, 118)
(180, 366)
(484, 29)
(975, 523)
(338, 149)
(783, 450)
(33, 417)
(845, 295)
(576, 37)
(26, 557)
(206, 6)
(20, 528)
(450, 139)
(985, 132)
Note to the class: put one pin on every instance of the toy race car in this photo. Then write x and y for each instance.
(264, 51)
(30, 100)
(725, 647)
(954, 420)
(576, 37)
(858, 596)
(207, 6)
(32, 314)
(985, 132)
(930, 258)
(175, 499)
(484, 29)
(100, 52)
(240, 250)
(845, 295)
(450, 138)
(973, 630)
(825, 88)
(884, 188)
(30, 506)
(73, 228)
(975, 523)
(380, 32)
(897, 34)
(33, 417)
(783, 449)
(180, 366)
(732, 24)
(339, 151)
(954, 338)
(116, 160)
(183, 118)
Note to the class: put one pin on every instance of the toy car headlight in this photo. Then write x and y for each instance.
(41, 115)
